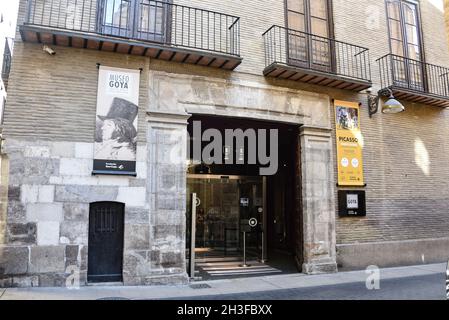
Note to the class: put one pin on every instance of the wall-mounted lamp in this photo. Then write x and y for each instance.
(390, 106)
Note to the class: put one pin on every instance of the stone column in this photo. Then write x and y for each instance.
(318, 201)
(166, 185)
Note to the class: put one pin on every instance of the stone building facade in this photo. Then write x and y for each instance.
(49, 128)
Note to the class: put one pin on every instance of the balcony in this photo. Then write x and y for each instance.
(6, 66)
(155, 29)
(415, 81)
(300, 56)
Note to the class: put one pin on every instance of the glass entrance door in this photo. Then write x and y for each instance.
(224, 208)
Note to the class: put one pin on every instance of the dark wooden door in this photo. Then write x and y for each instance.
(106, 226)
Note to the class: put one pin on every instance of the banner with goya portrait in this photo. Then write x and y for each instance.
(116, 121)
(349, 144)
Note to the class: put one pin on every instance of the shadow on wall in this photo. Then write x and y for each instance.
(414, 145)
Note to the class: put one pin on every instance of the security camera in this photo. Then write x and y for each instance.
(49, 50)
(369, 90)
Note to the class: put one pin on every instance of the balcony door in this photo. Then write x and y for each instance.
(405, 42)
(308, 43)
(136, 19)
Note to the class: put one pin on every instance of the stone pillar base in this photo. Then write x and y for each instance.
(319, 268)
(157, 280)
(163, 280)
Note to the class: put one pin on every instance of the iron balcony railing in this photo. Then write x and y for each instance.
(413, 75)
(7, 56)
(144, 20)
(309, 51)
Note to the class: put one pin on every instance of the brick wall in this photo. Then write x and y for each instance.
(446, 16)
(55, 97)
(406, 172)
(361, 23)
(405, 155)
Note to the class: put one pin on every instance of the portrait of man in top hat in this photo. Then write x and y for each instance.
(116, 134)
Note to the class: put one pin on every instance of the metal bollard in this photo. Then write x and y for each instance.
(244, 265)
(263, 251)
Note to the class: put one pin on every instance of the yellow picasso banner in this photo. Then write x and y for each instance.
(349, 144)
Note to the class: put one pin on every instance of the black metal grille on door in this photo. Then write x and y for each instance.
(105, 258)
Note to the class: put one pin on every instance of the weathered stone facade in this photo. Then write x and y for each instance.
(46, 231)
(176, 95)
(47, 182)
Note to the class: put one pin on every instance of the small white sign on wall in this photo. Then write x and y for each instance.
(352, 201)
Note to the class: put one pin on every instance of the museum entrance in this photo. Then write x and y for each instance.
(241, 222)
(229, 216)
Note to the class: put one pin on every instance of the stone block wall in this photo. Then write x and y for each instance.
(46, 228)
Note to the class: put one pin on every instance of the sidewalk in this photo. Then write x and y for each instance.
(217, 287)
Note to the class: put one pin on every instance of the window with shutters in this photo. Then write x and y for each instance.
(405, 42)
